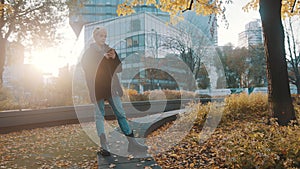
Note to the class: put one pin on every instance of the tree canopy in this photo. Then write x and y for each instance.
(289, 7)
(31, 23)
(202, 7)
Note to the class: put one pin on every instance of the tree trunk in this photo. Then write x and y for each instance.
(298, 83)
(2, 58)
(280, 102)
(2, 46)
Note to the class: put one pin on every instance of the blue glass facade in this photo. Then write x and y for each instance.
(98, 10)
(138, 39)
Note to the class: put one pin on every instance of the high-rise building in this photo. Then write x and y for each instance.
(252, 34)
(98, 10)
(141, 42)
(206, 24)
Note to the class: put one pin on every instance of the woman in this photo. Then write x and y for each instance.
(100, 64)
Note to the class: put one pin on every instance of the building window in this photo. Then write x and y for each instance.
(135, 25)
(122, 45)
(135, 41)
(142, 40)
(123, 55)
(129, 42)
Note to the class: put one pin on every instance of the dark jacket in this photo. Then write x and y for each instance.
(100, 73)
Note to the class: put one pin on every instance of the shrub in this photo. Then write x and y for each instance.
(6, 100)
(203, 111)
(257, 145)
(202, 96)
(296, 103)
(241, 141)
(251, 143)
(244, 106)
(247, 142)
(133, 95)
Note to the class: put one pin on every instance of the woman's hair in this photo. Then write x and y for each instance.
(98, 30)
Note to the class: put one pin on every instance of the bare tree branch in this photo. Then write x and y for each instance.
(190, 7)
(293, 7)
(2, 20)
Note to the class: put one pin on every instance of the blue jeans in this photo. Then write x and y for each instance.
(116, 104)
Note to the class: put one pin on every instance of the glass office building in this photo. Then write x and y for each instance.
(142, 41)
(97, 10)
(252, 35)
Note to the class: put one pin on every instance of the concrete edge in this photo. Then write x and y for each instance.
(169, 117)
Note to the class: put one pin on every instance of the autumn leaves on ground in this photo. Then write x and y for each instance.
(244, 138)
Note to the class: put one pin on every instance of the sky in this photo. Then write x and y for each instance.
(237, 20)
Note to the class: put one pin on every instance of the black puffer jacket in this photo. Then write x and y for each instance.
(100, 73)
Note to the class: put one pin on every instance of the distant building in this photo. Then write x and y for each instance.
(252, 34)
(99, 10)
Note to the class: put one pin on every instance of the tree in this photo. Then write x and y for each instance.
(293, 55)
(236, 66)
(33, 23)
(257, 67)
(243, 67)
(189, 44)
(280, 102)
(203, 82)
(223, 53)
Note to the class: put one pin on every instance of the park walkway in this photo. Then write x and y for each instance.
(142, 127)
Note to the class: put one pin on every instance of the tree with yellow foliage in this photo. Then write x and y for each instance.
(271, 12)
(31, 23)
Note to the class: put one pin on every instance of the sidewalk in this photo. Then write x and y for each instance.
(118, 144)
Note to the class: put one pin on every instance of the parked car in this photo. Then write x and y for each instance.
(293, 90)
(213, 92)
(238, 90)
(202, 93)
(220, 92)
(260, 90)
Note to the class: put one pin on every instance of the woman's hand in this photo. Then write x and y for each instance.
(110, 54)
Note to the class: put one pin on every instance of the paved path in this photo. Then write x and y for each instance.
(120, 162)
(120, 158)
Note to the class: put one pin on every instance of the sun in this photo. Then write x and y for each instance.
(48, 61)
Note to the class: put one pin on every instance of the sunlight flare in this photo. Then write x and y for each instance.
(48, 61)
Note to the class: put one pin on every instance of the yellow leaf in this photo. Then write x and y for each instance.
(149, 2)
(174, 156)
(192, 165)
